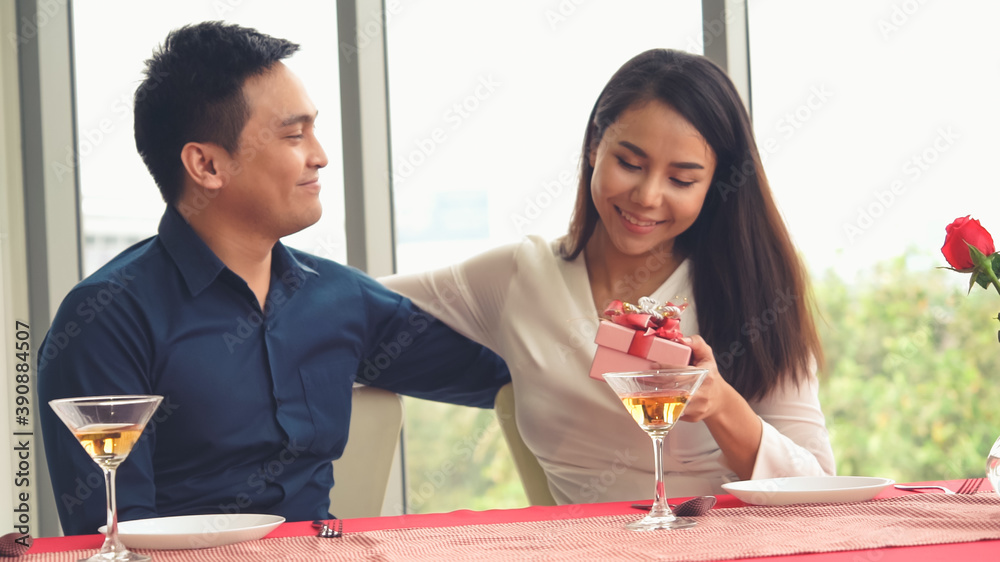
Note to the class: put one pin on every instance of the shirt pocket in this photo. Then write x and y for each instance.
(328, 398)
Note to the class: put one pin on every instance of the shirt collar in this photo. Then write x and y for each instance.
(197, 262)
(282, 260)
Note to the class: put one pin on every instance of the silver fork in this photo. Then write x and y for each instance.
(328, 532)
(971, 486)
(928, 487)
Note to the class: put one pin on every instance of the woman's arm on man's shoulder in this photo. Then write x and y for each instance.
(469, 296)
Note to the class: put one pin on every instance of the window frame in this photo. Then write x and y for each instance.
(51, 244)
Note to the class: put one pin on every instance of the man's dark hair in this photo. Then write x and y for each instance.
(193, 92)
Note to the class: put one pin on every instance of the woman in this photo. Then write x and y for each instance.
(672, 203)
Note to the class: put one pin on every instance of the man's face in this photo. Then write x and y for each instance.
(274, 174)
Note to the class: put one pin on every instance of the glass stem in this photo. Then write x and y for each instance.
(111, 542)
(660, 507)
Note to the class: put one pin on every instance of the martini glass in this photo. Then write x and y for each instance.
(656, 400)
(107, 427)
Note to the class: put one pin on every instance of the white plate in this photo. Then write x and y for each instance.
(195, 531)
(808, 489)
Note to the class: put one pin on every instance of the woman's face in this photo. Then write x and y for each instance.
(652, 170)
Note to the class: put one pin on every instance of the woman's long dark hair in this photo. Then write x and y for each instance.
(753, 302)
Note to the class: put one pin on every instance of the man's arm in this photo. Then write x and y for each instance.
(97, 345)
(415, 354)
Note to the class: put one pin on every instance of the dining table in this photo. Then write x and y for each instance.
(895, 525)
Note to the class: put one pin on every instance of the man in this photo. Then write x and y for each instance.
(254, 346)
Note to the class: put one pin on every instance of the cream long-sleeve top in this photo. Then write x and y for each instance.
(536, 310)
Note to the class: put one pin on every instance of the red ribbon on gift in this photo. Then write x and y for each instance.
(649, 320)
(641, 342)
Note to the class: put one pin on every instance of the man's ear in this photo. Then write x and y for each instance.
(205, 163)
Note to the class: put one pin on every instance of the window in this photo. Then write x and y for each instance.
(877, 118)
(488, 105)
(120, 204)
(878, 129)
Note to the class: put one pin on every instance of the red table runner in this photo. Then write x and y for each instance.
(914, 519)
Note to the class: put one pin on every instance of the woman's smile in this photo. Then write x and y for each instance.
(635, 223)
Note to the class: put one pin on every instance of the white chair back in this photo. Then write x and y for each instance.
(533, 480)
(361, 474)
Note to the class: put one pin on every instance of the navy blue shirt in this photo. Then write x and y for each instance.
(256, 403)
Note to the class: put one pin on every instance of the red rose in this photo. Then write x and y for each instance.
(965, 230)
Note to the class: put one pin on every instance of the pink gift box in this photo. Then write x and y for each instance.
(614, 341)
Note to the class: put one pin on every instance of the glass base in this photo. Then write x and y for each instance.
(121, 556)
(649, 523)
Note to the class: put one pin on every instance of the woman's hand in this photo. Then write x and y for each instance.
(727, 415)
(715, 393)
